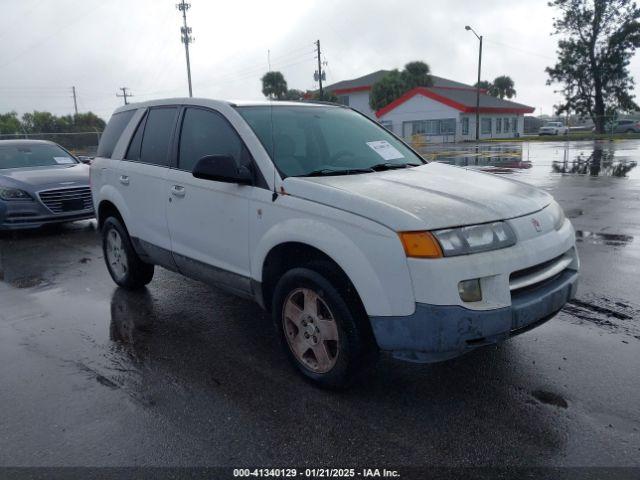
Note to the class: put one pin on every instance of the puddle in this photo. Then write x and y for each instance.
(612, 239)
(550, 398)
(580, 158)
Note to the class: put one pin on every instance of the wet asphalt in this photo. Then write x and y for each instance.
(184, 375)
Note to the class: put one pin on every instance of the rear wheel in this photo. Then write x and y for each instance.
(324, 333)
(124, 265)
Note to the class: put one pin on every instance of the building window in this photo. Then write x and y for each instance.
(498, 125)
(465, 125)
(388, 124)
(507, 124)
(445, 126)
(485, 126)
(344, 100)
(514, 124)
(448, 126)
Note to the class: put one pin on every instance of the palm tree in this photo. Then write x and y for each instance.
(416, 74)
(274, 85)
(502, 87)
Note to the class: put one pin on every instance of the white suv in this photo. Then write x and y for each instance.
(330, 222)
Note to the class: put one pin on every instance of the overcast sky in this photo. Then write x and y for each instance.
(101, 45)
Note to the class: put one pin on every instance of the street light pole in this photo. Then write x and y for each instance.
(468, 28)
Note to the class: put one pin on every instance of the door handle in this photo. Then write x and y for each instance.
(178, 191)
(124, 179)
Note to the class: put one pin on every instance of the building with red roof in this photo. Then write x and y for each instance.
(443, 112)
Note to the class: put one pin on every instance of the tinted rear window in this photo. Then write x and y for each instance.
(157, 136)
(112, 133)
(133, 153)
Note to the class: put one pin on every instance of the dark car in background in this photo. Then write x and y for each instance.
(41, 183)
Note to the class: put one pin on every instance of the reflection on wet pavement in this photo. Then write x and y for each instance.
(184, 374)
(592, 158)
(612, 239)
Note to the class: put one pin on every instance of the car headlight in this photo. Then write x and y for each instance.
(557, 214)
(475, 238)
(14, 194)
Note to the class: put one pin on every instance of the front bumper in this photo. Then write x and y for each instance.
(25, 215)
(435, 332)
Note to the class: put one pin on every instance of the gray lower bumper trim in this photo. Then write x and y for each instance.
(439, 332)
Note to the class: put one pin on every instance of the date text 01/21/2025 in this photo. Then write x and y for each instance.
(316, 473)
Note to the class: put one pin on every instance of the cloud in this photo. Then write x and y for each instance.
(99, 46)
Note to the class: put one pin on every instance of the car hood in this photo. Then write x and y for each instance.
(428, 197)
(46, 177)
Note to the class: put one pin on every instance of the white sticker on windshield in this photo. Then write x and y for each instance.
(63, 160)
(385, 150)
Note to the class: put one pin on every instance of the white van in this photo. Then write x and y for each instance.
(353, 241)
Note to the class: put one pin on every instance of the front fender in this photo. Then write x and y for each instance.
(376, 265)
(111, 194)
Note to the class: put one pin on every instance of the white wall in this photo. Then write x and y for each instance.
(420, 107)
(360, 101)
(494, 134)
(423, 108)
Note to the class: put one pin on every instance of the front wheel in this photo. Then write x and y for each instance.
(124, 265)
(325, 334)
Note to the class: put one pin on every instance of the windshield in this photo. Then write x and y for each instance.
(317, 140)
(36, 155)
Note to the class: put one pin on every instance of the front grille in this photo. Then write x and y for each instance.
(537, 275)
(65, 200)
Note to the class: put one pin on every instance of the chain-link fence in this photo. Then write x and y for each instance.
(80, 143)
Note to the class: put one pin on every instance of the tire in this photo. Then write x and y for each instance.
(124, 265)
(350, 354)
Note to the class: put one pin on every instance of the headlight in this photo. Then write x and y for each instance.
(475, 238)
(557, 214)
(14, 194)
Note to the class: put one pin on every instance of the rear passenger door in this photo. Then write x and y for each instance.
(142, 180)
(209, 219)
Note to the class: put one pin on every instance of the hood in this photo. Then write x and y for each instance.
(428, 197)
(50, 176)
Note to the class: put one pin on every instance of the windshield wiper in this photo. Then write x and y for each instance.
(391, 166)
(330, 171)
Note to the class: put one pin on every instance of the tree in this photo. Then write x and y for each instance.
(86, 122)
(394, 84)
(485, 85)
(599, 37)
(10, 123)
(294, 95)
(274, 85)
(326, 96)
(416, 74)
(386, 90)
(502, 86)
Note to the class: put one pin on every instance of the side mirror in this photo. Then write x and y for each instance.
(222, 168)
(84, 159)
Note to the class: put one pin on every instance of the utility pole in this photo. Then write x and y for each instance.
(124, 95)
(186, 38)
(468, 28)
(319, 70)
(75, 100)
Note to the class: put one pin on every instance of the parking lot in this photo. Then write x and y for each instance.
(184, 375)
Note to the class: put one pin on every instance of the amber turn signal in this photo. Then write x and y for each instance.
(420, 245)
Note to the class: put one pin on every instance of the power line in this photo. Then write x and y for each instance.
(186, 38)
(124, 95)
